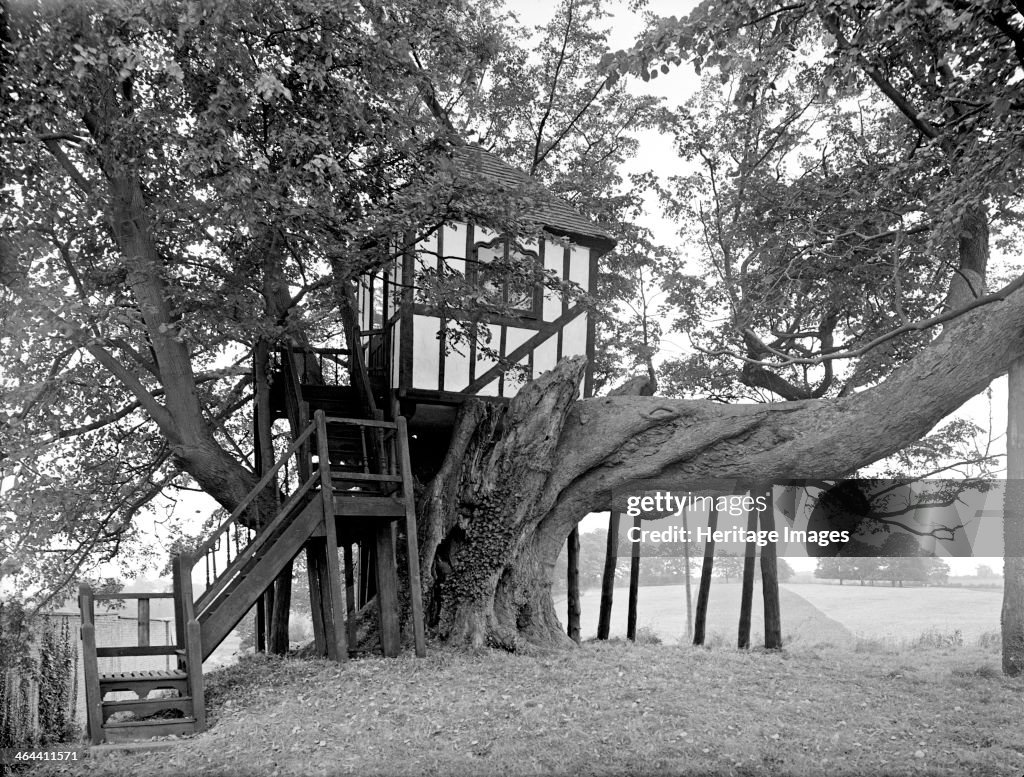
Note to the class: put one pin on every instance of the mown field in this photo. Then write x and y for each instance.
(811, 613)
(606, 709)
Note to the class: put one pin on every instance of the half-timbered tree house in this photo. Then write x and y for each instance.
(416, 354)
(363, 418)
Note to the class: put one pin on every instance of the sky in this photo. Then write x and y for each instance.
(656, 153)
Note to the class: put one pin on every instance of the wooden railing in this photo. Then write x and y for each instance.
(218, 563)
(315, 365)
(330, 366)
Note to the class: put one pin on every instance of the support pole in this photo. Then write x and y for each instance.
(705, 580)
(315, 556)
(770, 579)
(634, 584)
(686, 557)
(350, 591)
(747, 597)
(573, 584)
(387, 590)
(412, 543)
(604, 619)
(334, 632)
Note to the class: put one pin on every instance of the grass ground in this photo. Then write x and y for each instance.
(904, 613)
(607, 709)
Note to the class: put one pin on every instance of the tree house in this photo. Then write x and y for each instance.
(344, 484)
(411, 355)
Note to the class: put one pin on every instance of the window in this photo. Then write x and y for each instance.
(505, 272)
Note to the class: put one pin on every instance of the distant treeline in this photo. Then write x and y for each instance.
(895, 571)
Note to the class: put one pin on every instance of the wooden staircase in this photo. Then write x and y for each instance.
(359, 485)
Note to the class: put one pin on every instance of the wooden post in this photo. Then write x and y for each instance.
(264, 619)
(314, 558)
(686, 557)
(573, 584)
(350, 592)
(179, 617)
(412, 543)
(604, 619)
(634, 584)
(387, 591)
(705, 580)
(142, 617)
(93, 697)
(367, 588)
(193, 645)
(337, 644)
(770, 579)
(281, 612)
(747, 596)
(194, 654)
(263, 452)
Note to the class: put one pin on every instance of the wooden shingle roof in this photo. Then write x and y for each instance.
(553, 213)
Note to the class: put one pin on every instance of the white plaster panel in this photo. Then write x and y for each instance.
(425, 356)
(455, 240)
(579, 266)
(552, 261)
(545, 355)
(574, 336)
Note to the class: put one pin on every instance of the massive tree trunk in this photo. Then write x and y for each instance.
(487, 562)
(516, 481)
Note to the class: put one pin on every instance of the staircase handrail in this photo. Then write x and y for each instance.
(226, 575)
(201, 550)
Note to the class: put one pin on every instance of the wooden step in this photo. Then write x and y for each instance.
(143, 682)
(133, 730)
(143, 708)
(340, 473)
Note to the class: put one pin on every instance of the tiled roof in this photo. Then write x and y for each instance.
(553, 213)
